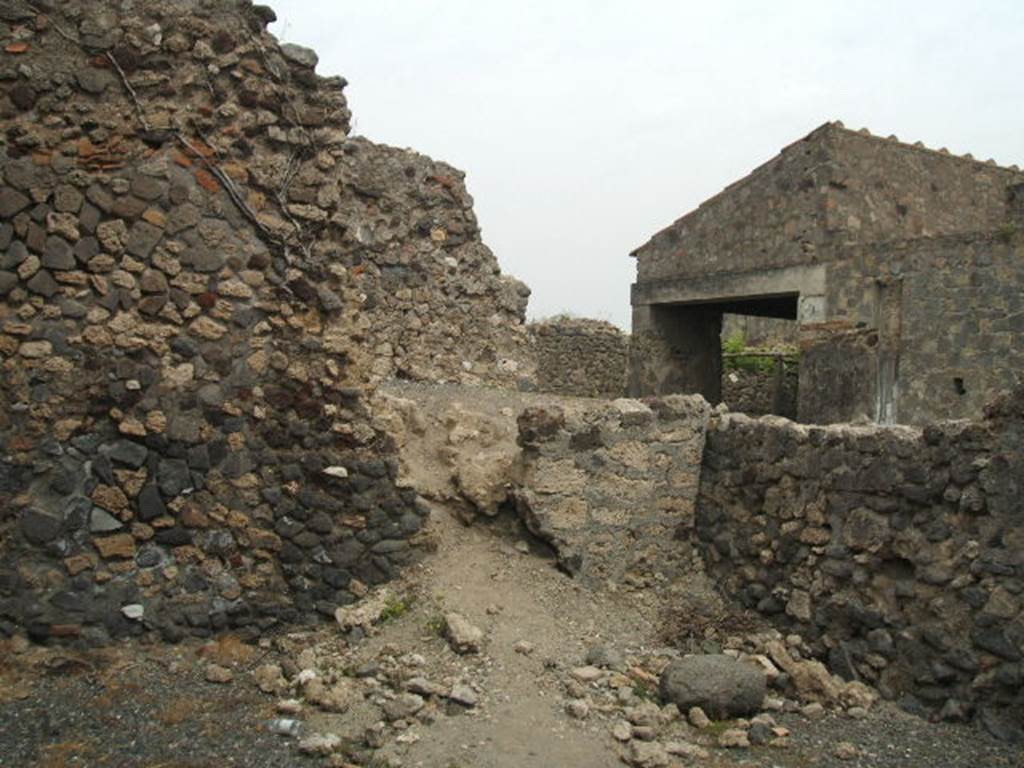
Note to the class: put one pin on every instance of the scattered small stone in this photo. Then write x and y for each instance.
(319, 744)
(365, 614)
(760, 733)
(269, 678)
(603, 656)
(763, 718)
(622, 730)
(423, 687)
(334, 698)
(645, 732)
(284, 726)
(463, 694)
(578, 709)
(135, 612)
(813, 711)
(288, 707)
(524, 647)
(587, 674)
(687, 750)
(645, 713)
(733, 738)
(697, 718)
(403, 706)
(215, 673)
(844, 750)
(648, 754)
(576, 689)
(374, 736)
(463, 637)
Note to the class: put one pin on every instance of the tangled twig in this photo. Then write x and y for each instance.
(228, 186)
(131, 91)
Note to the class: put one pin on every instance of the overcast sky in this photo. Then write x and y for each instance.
(584, 126)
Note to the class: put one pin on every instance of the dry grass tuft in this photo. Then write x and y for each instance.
(178, 711)
(229, 651)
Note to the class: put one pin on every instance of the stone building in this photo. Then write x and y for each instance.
(903, 268)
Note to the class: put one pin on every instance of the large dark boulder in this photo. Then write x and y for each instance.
(720, 685)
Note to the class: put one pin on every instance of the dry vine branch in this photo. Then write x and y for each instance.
(229, 187)
(140, 113)
(60, 30)
(222, 178)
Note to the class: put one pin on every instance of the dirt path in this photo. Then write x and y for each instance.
(518, 598)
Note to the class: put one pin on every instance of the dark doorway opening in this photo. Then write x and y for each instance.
(680, 347)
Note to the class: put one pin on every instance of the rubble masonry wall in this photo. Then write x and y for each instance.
(580, 357)
(898, 552)
(201, 277)
(614, 488)
(759, 392)
(833, 187)
(960, 328)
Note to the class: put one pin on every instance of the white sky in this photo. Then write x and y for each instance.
(584, 126)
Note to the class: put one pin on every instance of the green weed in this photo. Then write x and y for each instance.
(395, 607)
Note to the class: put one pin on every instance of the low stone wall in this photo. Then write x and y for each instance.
(761, 392)
(899, 553)
(896, 553)
(614, 488)
(581, 358)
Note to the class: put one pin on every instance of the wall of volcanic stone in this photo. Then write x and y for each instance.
(757, 391)
(959, 334)
(612, 486)
(580, 357)
(898, 552)
(200, 276)
(831, 188)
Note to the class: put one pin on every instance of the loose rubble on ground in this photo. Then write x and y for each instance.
(441, 667)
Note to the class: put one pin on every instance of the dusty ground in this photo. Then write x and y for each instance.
(140, 705)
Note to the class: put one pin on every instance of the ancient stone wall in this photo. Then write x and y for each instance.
(613, 488)
(760, 331)
(759, 391)
(960, 329)
(200, 276)
(838, 374)
(833, 187)
(898, 552)
(580, 357)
